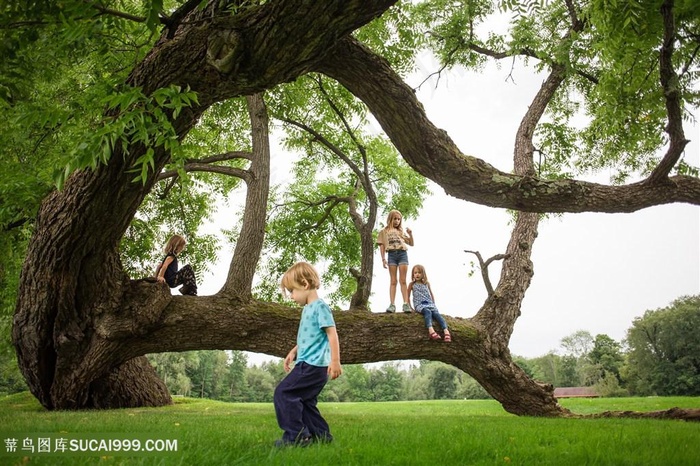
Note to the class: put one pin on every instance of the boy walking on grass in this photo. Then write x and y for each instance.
(317, 355)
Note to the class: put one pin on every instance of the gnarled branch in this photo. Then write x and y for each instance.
(484, 266)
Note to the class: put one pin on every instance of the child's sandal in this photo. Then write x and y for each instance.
(435, 336)
(448, 337)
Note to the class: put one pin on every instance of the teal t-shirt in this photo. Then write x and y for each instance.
(312, 341)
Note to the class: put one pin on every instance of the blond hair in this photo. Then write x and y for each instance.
(421, 269)
(300, 275)
(175, 245)
(390, 220)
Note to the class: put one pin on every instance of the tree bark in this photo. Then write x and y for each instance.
(484, 267)
(132, 384)
(250, 241)
(360, 299)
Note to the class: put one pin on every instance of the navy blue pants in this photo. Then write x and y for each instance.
(295, 400)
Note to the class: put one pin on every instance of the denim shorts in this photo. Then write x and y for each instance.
(397, 257)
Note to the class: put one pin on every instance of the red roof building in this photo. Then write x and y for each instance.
(575, 392)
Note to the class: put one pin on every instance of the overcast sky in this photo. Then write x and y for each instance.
(593, 272)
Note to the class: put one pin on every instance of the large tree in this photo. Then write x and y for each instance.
(81, 326)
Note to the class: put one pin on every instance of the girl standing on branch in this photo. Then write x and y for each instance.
(393, 244)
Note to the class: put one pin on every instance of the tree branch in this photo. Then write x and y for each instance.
(573, 15)
(526, 52)
(202, 167)
(17, 223)
(331, 202)
(329, 145)
(690, 60)
(246, 254)
(231, 155)
(484, 265)
(670, 85)
(432, 153)
(361, 175)
(205, 165)
(226, 53)
(502, 307)
(216, 322)
(173, 21)
(116, 13)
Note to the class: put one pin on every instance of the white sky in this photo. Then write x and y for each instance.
(593, 272)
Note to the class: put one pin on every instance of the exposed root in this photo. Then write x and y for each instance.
(673, 413)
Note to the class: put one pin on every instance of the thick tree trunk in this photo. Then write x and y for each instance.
(503, 379)
(133, 384)
(360, 299)
(250, 241)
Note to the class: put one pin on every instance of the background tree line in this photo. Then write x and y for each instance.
(225, 376)
(660, 356)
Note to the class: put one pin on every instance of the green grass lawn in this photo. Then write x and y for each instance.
(451, 432)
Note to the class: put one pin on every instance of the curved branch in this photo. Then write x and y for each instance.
(689, 62)
(233, 55)
(117, 13)
(169, 186)
(332, 202)
(431, 152)
(484, 266)
(524, 148)
(437, 73)
(341, 117)
(502, 307)
(173, 21)
(204, 165)
(231, 155)
(526, 52)
(362, 174)
(670, 85)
